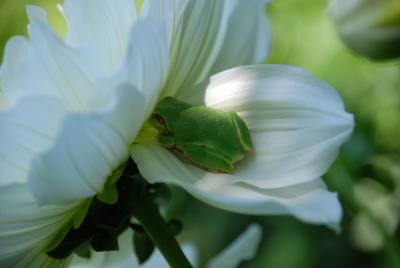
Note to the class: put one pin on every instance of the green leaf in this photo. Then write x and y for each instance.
(72, 241)
(83, 250)
(81, 213)
(143, 246)
(115, 176)
(105, 241)
(109, 195)
(57, 240)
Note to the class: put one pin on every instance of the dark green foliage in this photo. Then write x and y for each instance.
(83, 251)
(143, 246)
(105, 222)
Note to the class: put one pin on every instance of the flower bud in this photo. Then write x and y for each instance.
(369, 27)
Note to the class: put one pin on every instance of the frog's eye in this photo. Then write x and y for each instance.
(158, 122)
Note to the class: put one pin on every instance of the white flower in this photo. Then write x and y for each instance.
(243, 248)
(369, 27)
(71, 108)
(378, 215)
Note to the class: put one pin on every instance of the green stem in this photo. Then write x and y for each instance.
(147, 213)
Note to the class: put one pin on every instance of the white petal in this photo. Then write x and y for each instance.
(243, 248)
(246, 38)
(158, 260)
(50, 67)
(45, 65)
(297, 122)
(87, 149)
(102, 26)
(28, 128)
(209, 36)
(310, 202)
(146, 62)
(26, 228)
(15, 52)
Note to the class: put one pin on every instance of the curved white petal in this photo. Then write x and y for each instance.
(88, 147)
(243, 248)
(370, 28)
(146, 62)
(28, 128)
(102, 26)
(26, 228)
(247, 36)
(15, 52)
(209, 36)
(309, 202)
(297, 122)
(45, 65)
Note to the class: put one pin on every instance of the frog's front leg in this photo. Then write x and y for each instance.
(207, 158)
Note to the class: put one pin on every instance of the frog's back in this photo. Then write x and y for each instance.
(214, 129)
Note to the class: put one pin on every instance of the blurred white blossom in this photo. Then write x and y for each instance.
(369, 27)
(378, 216)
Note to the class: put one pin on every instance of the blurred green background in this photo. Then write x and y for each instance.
(366, 175)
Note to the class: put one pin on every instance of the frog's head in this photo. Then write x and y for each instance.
(166, 112)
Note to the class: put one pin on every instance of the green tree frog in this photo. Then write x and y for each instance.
(208, 138)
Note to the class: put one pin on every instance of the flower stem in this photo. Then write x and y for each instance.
(147, 213)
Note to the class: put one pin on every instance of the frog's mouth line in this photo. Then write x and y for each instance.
(159, 123)
(159, 119)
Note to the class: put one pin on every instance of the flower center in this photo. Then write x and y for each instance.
(146, 134)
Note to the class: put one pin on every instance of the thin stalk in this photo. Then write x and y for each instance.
(147, 213)
(143, 208)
